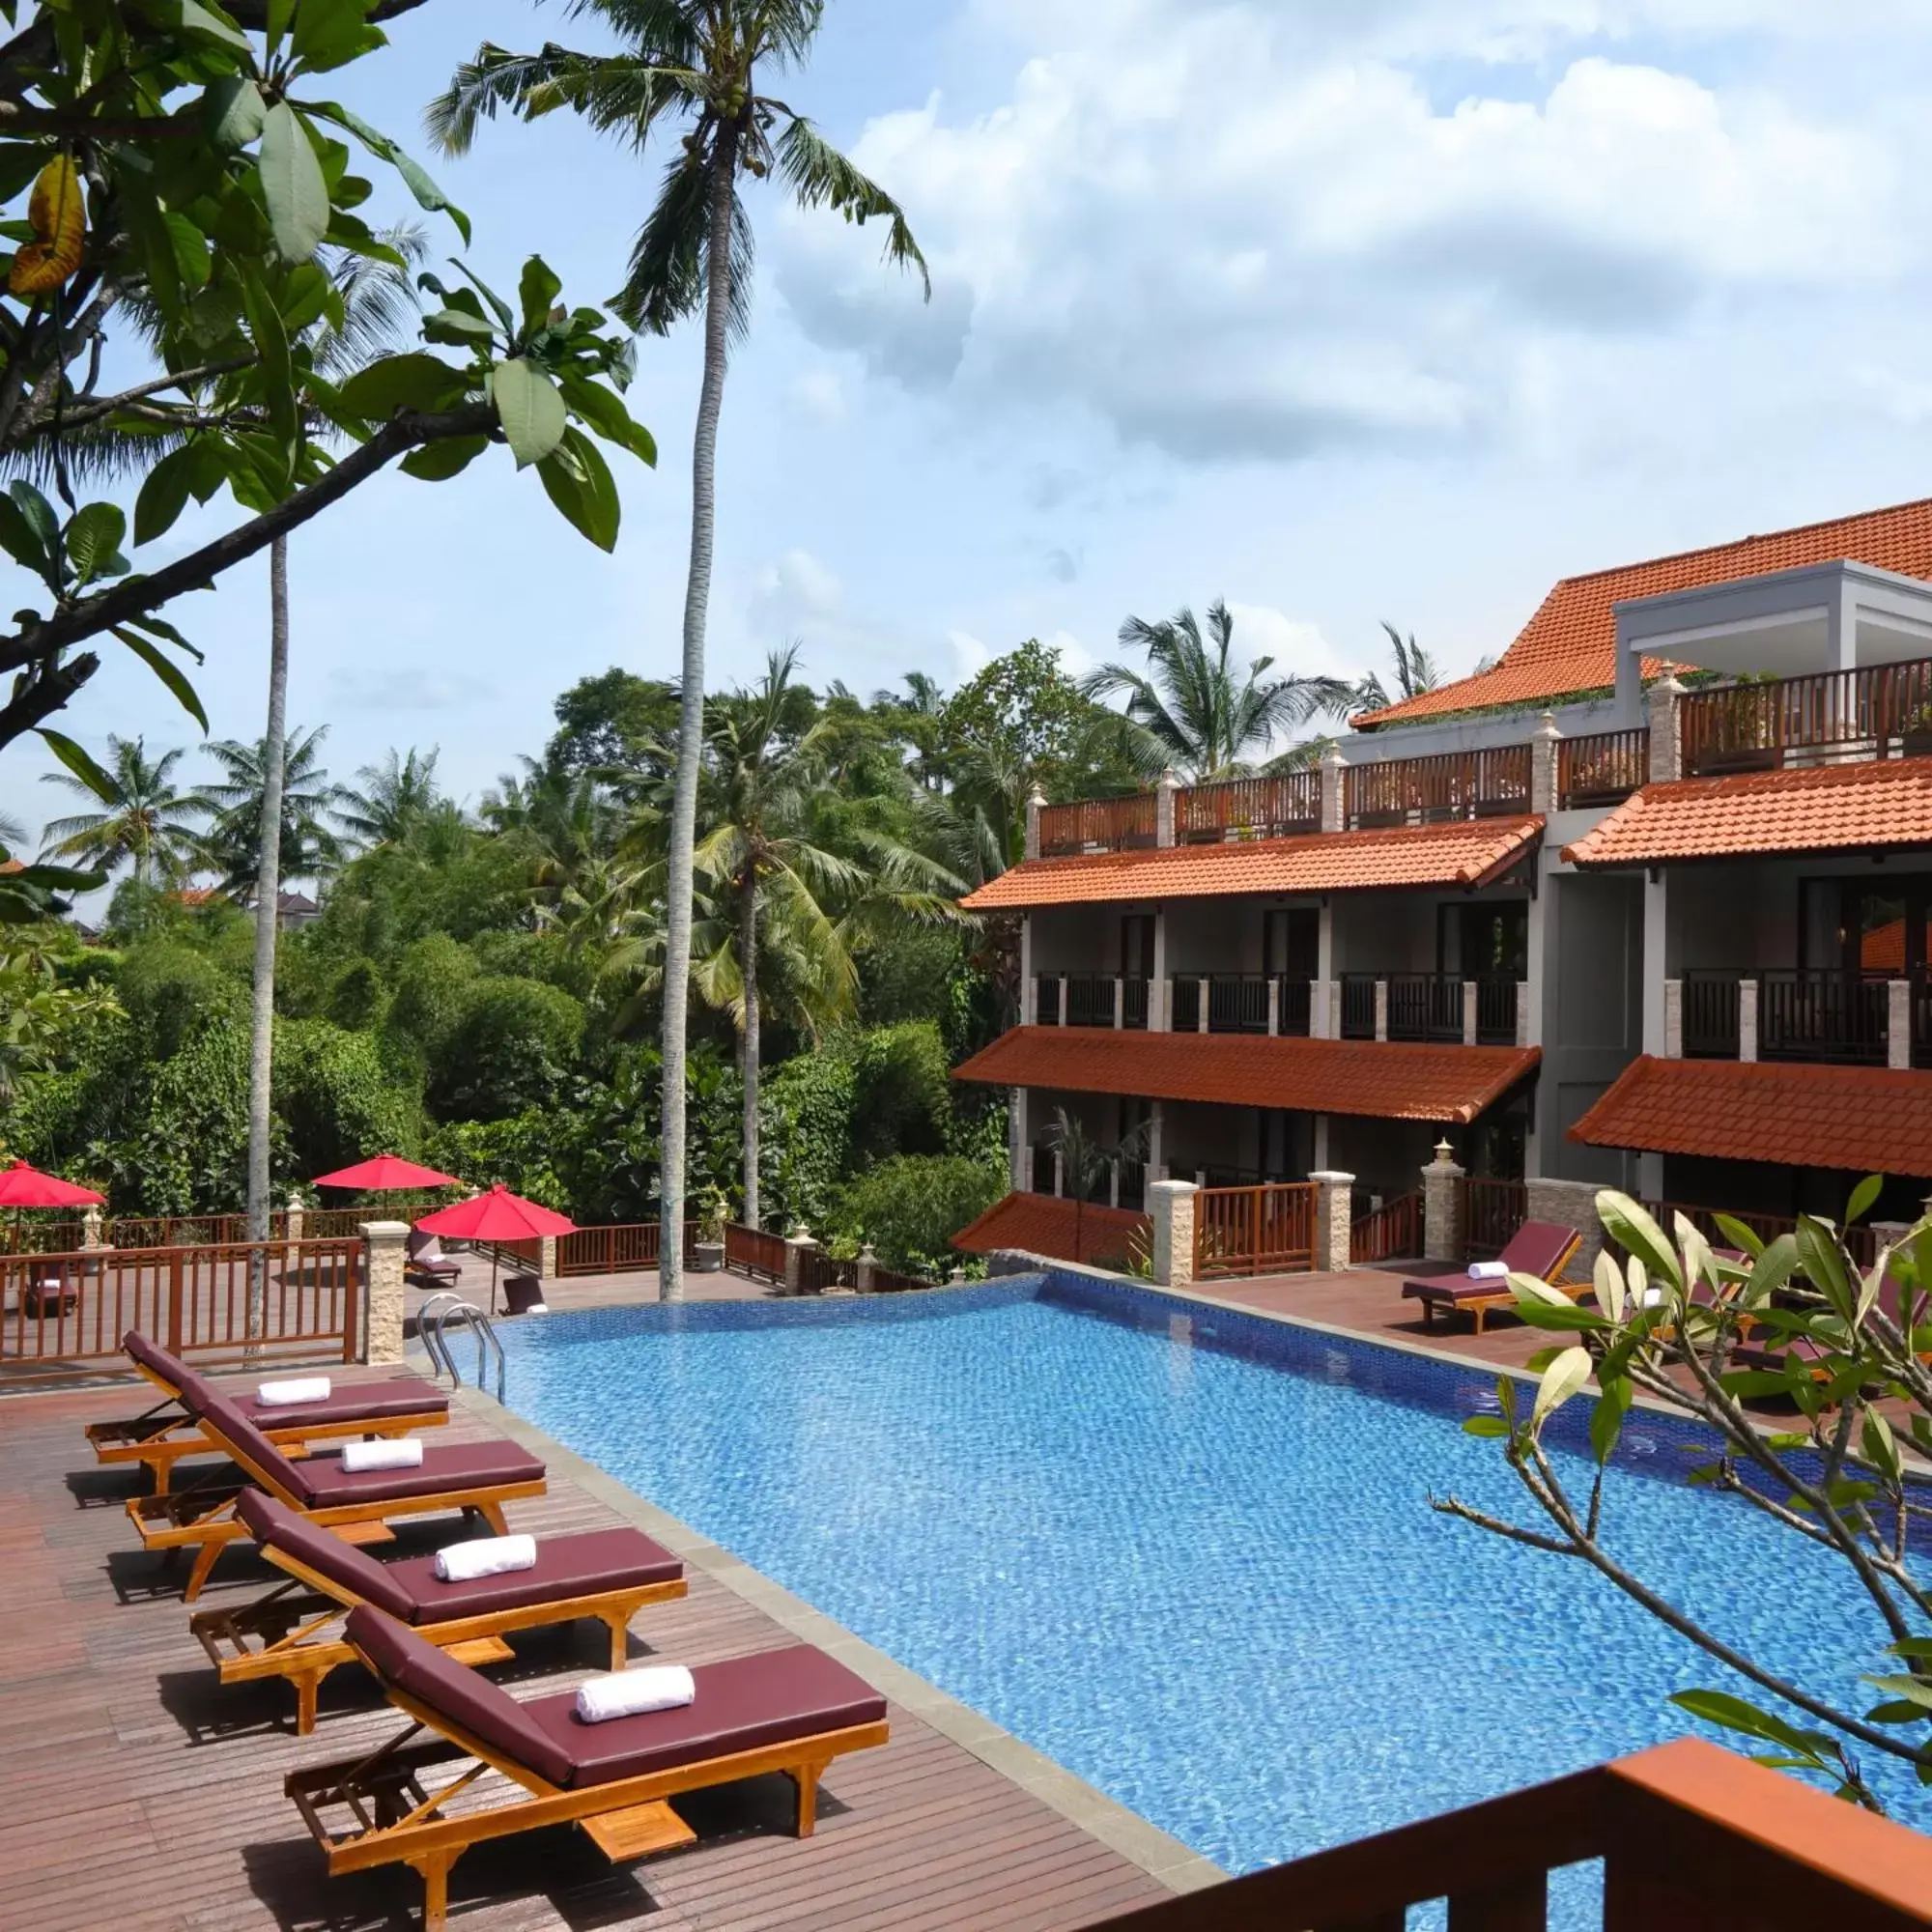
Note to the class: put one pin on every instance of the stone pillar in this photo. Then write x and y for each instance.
(547, 1257)
(1333, 765)
(799, 1243)
(1468, 1013)
(1201, 1009)
(1062, 999)
(1029, 986)
(1275, 1007)
(1165, 787)
(1571, 1203)
(1171, 1205)
(296, 1218)
(1898, 1023)
(1666, 733)
(91, 1236)
(1673, 1019)
(1522, 1012)
(1112, 1183)
(1655, 959)
(1120, 1001)
(1442, 1206)
(957, 1278)
(1334, 1221)
(1381, 1010)
(1542, 744)
(1059, 1175)
(1036, 799)
(868, 1261)
(1746, 1020)
(1319, 1137)
(1158, 1012)
(1022, 1144)
(383, 1260)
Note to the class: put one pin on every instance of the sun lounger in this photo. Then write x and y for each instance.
(607, 1573)
(1541, 1248)
(1783, 1353)
(791, 1710)
(427, 1265)
(160, 1436)
(471, 1476)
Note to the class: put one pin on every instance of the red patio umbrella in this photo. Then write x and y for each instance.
(25, 1187)
(384, 1172)
(496, 1215)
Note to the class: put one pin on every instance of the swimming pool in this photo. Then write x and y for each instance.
(1190, 1557)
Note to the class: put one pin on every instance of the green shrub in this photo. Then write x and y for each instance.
(171, 991)
(509, 1051)
(432, 983)
(520, 1152)
(189, 1151)
(902, 1098)
(909, 1208)
(358, 996)
(336, 1102)
(805, 1137)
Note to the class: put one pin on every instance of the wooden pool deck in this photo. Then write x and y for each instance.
(135, 1793)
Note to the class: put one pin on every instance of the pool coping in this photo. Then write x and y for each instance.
(1159, 1854)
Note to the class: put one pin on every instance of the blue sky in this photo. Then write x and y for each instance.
(1399, 309)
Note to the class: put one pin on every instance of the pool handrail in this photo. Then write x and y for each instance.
(1690, 1834)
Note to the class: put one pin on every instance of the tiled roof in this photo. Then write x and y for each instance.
(1571, 644)
(1470, 852)
(1863, 1118)
(1388, 1080)
(1044, 1224)
(1828, 808)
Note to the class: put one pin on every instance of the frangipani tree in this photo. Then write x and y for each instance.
(1708, 1336)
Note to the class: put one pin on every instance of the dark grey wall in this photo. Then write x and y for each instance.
(1593, 1014)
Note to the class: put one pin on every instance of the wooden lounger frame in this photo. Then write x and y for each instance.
(1480, 1305)
(158, 1440)
(202, 1516)
(398, 1821)
(283, 1634)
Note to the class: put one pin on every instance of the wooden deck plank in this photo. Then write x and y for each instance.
(134, 1791)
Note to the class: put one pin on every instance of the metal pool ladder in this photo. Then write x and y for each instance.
(433, 1319)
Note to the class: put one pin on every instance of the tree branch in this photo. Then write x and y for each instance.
(46, 695)
(93, 408)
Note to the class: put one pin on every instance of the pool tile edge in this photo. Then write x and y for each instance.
(1162, 1857)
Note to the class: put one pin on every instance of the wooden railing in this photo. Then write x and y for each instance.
(1880, 712)
(1602, 769)
(754, 1254)
(1384, 1233)
(1266, 1230)
(1097, 825)
(1862, 1241)
(1690, 1835)
(1492, 1212)
(1275, 806)
(616, 1249)
(1453, 785)
(60, 1310)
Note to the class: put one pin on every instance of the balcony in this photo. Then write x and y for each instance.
(1430, 792)
(1858, 1019)
(1602, 769)
(1278, 807)
(1830, 717)
(1091, 1000)
(1098, 825)
(1233, 1003)
(1431, 1007)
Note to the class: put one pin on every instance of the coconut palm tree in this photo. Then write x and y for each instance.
(307, 848)
(694, 64)
(1192, 708)
(145, 822)
(1416, 672)
(396, 799)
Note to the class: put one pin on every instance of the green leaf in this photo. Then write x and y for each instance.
(1818, 1255)
(272, 345)
(292, 185)
(1862, 1196)
(191, 250)
(1898, 1711)
(530, 408)
(416, 382)
(331, 32)
(1606, 1421)
(577, 480)
(40, 513)
(1907, 1690)
(1628, 1224)
(498, 304)
(79, 764)
(1720, 1707)
(196, 19)
(233, 113)
(164, 494)
(1738, 1236)
(438, 462)
(414, 176)
(168, 671)
(537, 290)
(94, 536)
(606, 414)
(1563, 1377)
(1485, 1425)
(22, 542)
(1911, 1646)
(460, 330)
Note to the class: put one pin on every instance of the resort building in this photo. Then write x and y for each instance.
(1646, 904)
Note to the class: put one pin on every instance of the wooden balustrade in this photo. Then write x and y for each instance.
(1277, 805)
(1389, 1232)
(1879, 712)
(1492, 1210)
(1602, 768)
(1264, 1230)
(616, 1249)
(1097, 825)
(1453, 785)
(1862, 1241)
(754, 1254)
(1690, 1835)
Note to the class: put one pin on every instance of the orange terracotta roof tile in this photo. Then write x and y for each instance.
(1828, 808)
(1863, 1118)
(1570, 644)
(1470, 852)
(1044, 1224)
(1388, 1080)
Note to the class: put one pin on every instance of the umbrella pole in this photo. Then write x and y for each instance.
(496, 1257)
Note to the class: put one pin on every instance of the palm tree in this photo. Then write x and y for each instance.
(694, 63)
(1192, 709)
(1085, 1161)
(1416, 672)
(397, 798)
(145, 822)
(307, 848)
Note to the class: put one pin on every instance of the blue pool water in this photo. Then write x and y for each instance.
(1190, 1559)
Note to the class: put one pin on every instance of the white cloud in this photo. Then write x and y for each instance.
(1296, 644)
(792, 592)
(819, 395)
(404, 687)
(1075, 659)
(970, 656)
(1323, 253)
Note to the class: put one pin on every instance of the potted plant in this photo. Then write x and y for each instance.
(1917, 733)
(710, 1244)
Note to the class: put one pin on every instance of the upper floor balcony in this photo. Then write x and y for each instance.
(1800, 1014)
(1826, 718)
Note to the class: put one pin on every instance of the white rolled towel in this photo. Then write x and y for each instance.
(1488, 1270)
(284, 1395)
(485, 1556)
(360, 1457)
(630, 1694)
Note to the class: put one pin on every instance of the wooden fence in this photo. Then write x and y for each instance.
(616, 1249)
(1264, 1230)
(1447, 785)
(1387, 1233)
(1260, 808)
(1601, 768)
(1878, 712)
(1098, 825)
(754, 1254)
(60, 1311)
(1492, 1210)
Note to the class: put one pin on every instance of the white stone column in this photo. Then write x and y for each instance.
(1319, 1136)
(1029, 986)
(1112, 1183)
(1022, 1143)
(1119, 1001)
(1381, 1010)
(1334, 1223)
(1542, 744)
(1656, 963)
(1157, 1134)
(1171, 1206)
(1165, 788)
(1201, 1010)
(1898, 1023)
(383, 1263)
(1059, 1175)
(1036, 799)
(1442, 1207)
(1274, 1006)
(799, 1243)
(1522, 1038)
(296, 1218)
(1325, 1007)
(1468, 1013)
(91, 1236)
(862, 1269)
(1062, 999)
(1666, 732)
(1159, 1012)
(1746, 1020)
(1333, 765)
(1673, 1019)
(547, 1257)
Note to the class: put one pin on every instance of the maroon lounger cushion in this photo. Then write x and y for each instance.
(740, 1706)
(461, 1466)
(269, 1520)
(347, 1401)
(1536, 1248)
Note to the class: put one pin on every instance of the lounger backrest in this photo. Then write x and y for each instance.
(354, 1571)
(1538, 1248)
(413, 1665)
(151, 1355)
(228, 1425)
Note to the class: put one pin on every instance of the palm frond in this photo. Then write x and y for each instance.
(819, 176)
(666, 277)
